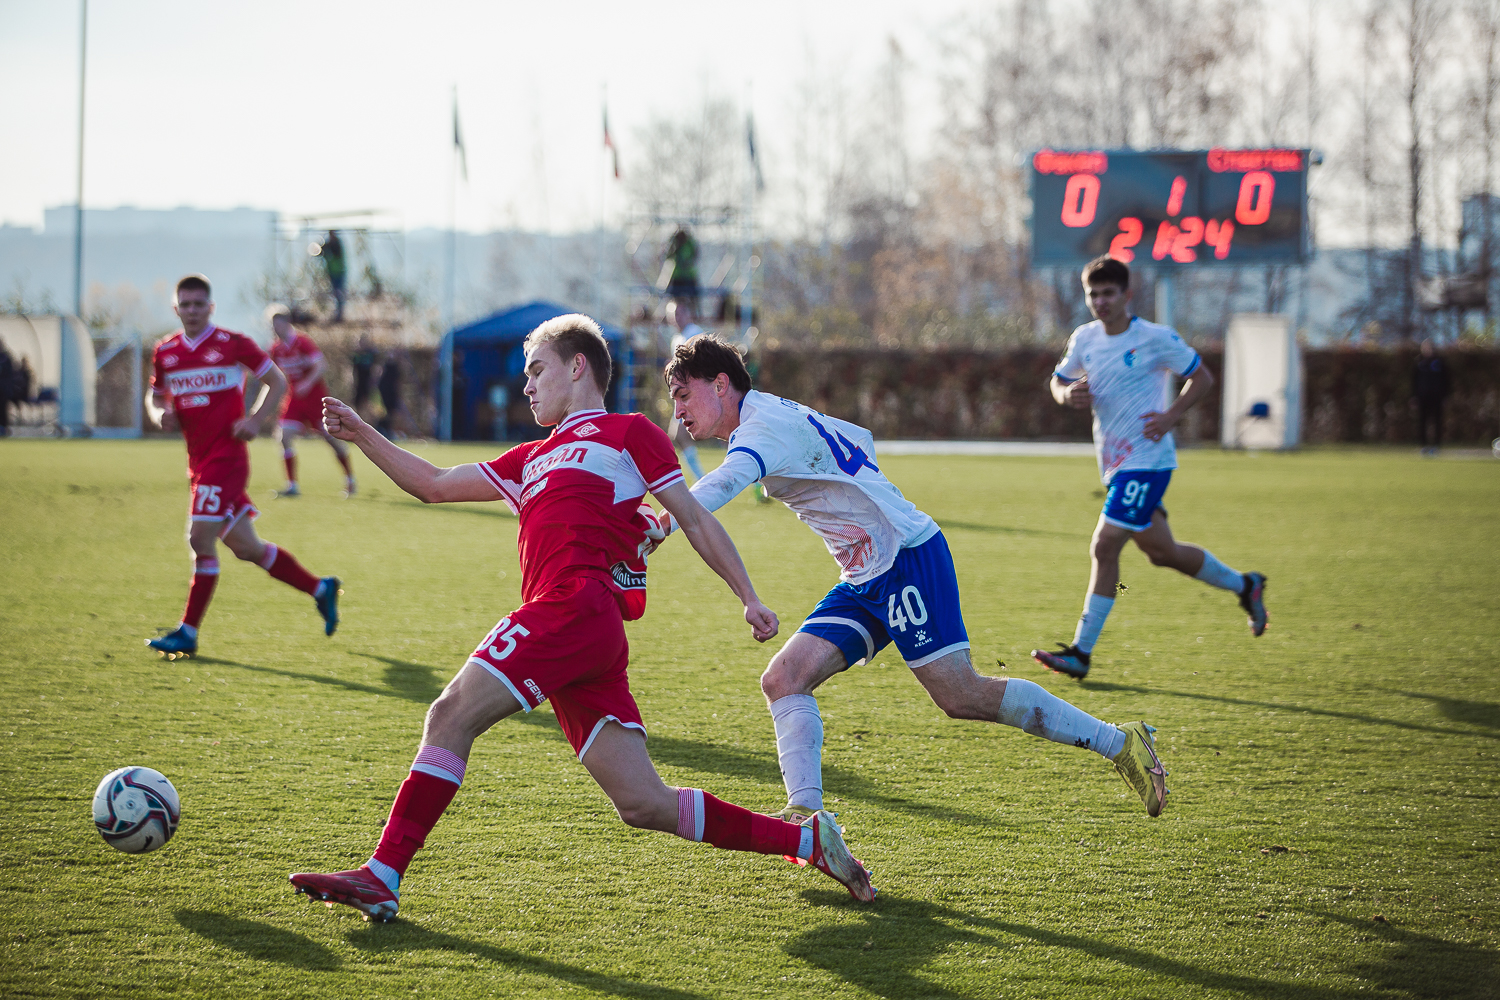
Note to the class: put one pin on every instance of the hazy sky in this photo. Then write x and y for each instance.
(310, 107)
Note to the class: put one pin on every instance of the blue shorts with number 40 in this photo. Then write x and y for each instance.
(913, 604)
(1134, 495)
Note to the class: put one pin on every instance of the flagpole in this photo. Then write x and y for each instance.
(452, 249)
(445, 403)
(83, 52)
(603, 190)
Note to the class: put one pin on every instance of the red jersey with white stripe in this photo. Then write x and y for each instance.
(297, 359)
(577, 493)
(205, 384)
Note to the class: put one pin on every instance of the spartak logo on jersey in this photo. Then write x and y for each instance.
(587, 430)
(211, 356)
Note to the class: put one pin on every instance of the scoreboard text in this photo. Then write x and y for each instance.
(1166, 209)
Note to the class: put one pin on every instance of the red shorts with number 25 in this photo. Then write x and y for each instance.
(219, 493)
(568, 646)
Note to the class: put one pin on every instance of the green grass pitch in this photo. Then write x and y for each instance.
(1332, 832)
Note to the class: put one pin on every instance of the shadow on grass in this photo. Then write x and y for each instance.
(403, 936)
(1477, 710)
(259, 941)
(1000, 529)
(1420, 965)
(413, 681)
(298, 676)
(886, 951)
(837, 781)
(1475, 713)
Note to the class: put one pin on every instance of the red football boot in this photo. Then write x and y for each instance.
(359, 888)
(830, 855)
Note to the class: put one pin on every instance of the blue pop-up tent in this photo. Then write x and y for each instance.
(483, 373)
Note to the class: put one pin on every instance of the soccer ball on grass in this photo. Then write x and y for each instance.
(136, 809)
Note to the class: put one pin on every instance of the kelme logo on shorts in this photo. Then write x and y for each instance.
(627, 578)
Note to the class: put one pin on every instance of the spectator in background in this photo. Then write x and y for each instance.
(394, 422)
(338, 271)
(7, 389)
(363, 361)
(1430, 385)
(682, 251)
(680, 313)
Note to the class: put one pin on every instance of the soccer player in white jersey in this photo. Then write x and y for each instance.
(897, 581)
(1123, 367)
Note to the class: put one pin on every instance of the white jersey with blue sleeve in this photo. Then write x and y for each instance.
(1130, 375)
(824, 469)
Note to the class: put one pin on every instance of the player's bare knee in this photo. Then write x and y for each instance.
(1161, 557)
(1104, 549)
(248, 551)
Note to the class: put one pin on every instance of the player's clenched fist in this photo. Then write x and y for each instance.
(763, 623)
(340, 420)
(1078, 395)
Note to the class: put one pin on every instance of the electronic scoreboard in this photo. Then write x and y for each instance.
(1171, 208)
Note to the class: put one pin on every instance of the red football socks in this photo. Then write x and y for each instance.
(290, 458)
(201, 590)
(433, 781)
(702, 817)
(283, 566)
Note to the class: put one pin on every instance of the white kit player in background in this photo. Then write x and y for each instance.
(1123, 367)
(897, 581)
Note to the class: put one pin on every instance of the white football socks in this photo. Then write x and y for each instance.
(1091, 622)
(1216, 574)
(1035, 710)
(799, 747)
(390, 876)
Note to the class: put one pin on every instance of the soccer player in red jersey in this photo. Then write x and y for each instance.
(302, 408)
(197, 385)
(583, 529)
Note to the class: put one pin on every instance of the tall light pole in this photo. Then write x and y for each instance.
(83, 53)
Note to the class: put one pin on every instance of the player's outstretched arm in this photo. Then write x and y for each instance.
(713, 543)
(412, 473)
(1194, 387)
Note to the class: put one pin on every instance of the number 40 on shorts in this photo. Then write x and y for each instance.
(911, 610)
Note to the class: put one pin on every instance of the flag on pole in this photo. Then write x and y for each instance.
(760, 180)
(458, 140)
(609, 144)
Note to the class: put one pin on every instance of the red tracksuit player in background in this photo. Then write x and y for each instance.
(302, 407)
(197, 384)
(578, 494)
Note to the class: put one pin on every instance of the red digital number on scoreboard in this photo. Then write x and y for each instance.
(1202, 213)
